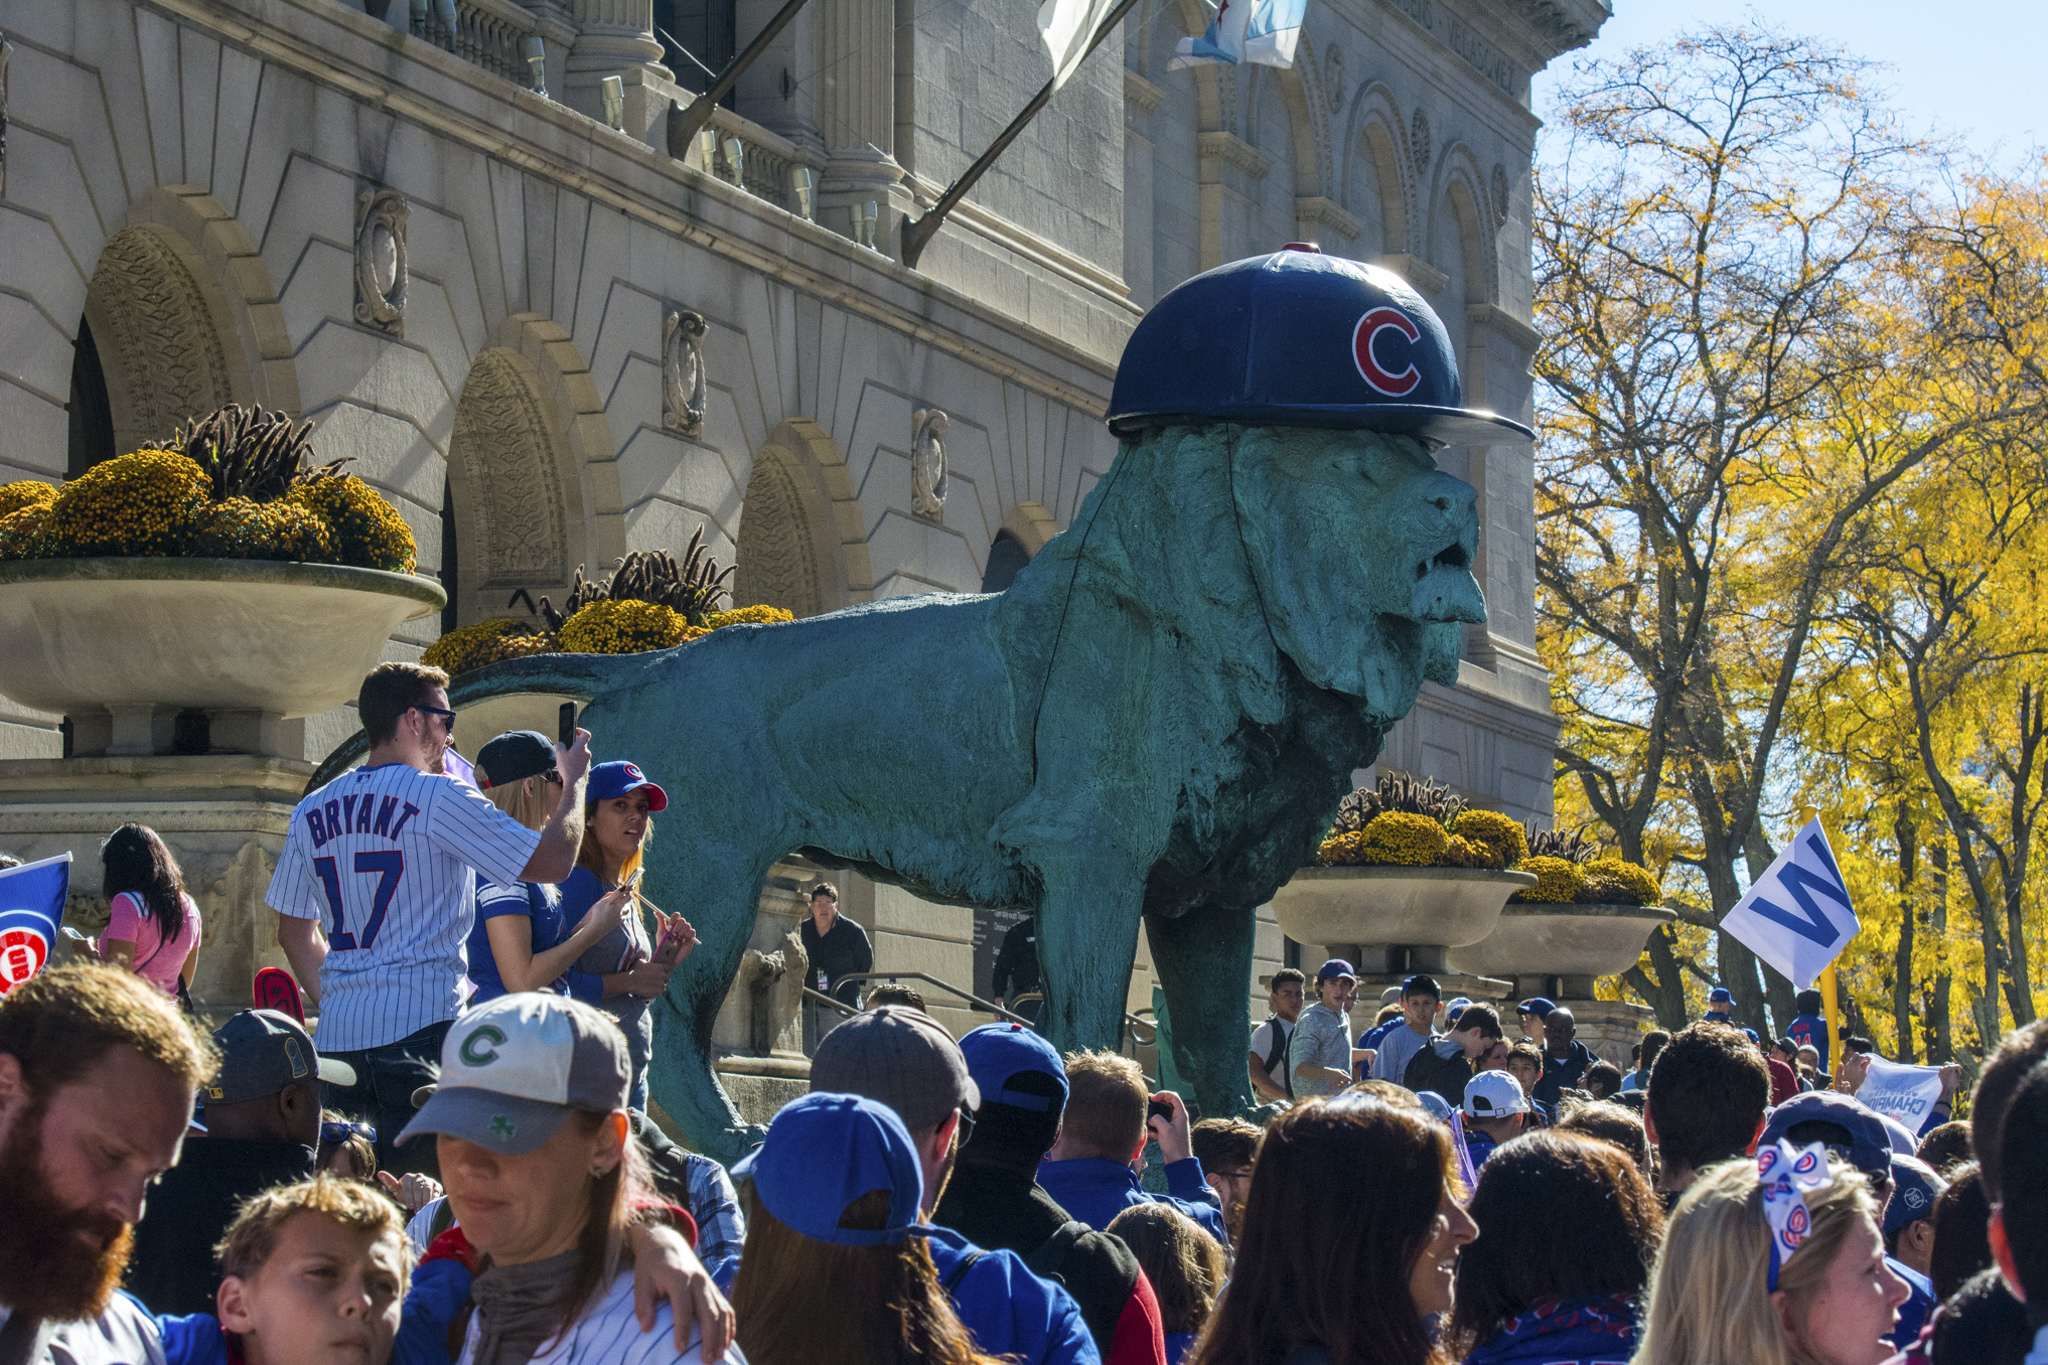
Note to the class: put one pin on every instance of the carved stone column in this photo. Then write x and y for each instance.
(857, 116)
(615, 38)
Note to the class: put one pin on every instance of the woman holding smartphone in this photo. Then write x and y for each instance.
(522, 940)
(618, 803)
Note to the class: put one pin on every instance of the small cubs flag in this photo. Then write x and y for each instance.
(31, 909)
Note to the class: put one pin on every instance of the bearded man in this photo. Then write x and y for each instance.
(97, 1074)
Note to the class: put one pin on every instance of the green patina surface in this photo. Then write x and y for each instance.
(1156, 722)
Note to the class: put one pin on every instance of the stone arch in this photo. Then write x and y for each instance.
(182, 318)
(1460, 205)
(1031, 526)
(529, 464)
(1022, 535)
(801, 543)
(1377, 157)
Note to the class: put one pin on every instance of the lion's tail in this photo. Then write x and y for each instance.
(582, 676)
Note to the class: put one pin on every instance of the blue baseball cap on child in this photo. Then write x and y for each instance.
(822, 1152)
(608, 780)
(1333, 969)
(1720, 995)
(997, 1052)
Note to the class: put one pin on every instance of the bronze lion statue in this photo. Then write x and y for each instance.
(1156, 720)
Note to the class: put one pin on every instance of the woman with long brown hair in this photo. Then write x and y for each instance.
(1184, 1264)
(154, 929)
(836, 1267)
(1569, 1233)
(1350, 1244)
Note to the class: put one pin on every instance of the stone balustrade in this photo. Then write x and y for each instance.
(491, 34)
(764, 164)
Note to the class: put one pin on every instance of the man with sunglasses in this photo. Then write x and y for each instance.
(262, 1117)
(376, 893)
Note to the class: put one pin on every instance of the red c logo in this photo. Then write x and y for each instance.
(1393, 385)
(22, 954)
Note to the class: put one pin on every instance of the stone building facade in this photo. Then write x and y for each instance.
(550, 341)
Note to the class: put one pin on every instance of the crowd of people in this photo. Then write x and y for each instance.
(463, 1169)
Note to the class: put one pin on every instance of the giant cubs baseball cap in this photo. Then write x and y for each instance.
(822, 1152)
(514, 1069)
(1300, 339)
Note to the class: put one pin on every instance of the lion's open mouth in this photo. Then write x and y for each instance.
(1452, 556)
(1445, 589)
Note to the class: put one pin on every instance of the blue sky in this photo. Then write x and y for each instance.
(1971, 68)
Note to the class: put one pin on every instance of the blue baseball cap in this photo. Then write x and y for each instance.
(609, 780)
(1869, 1146)
(1915, 1187)
(1454, 1009)
(997, 1053)
(822, 1152)
(1334, 968)
(1753, 1037)
(1297, 338)
(1538, 1005)
(1720, 995)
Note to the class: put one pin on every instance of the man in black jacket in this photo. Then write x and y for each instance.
(1445, 1064)
(262, 1129)
(994, 1198)
(1016, 969)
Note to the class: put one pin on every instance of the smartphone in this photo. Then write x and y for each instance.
(566, 722)
(1158, 1109)
(75, 936)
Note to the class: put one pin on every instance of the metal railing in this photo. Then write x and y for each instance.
(500, 36)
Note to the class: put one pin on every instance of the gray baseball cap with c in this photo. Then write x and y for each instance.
(901, 1057)
(513, 1070)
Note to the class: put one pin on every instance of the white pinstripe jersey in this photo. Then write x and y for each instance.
(609, 1334)
(386, 858)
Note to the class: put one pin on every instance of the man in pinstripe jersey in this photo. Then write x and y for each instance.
(376, 893)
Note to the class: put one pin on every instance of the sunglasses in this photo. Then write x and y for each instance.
(446, 715)
(338, 1131)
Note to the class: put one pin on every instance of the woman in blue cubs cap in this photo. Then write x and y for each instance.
(522, 941)
(836, 1267)
(635, 968)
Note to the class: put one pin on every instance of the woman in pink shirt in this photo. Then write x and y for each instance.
(154, 931)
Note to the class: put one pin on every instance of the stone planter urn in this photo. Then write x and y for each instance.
(1394, 919)
(124, 645)
(1558, 949)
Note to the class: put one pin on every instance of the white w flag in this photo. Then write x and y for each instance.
(1797, 916)
(1262, 31)
(1068, 27)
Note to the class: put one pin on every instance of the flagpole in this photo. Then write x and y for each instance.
(917, 234)
(1831, 1011)
(685, 124)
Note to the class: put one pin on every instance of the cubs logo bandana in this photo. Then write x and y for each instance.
(1788, 1175)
